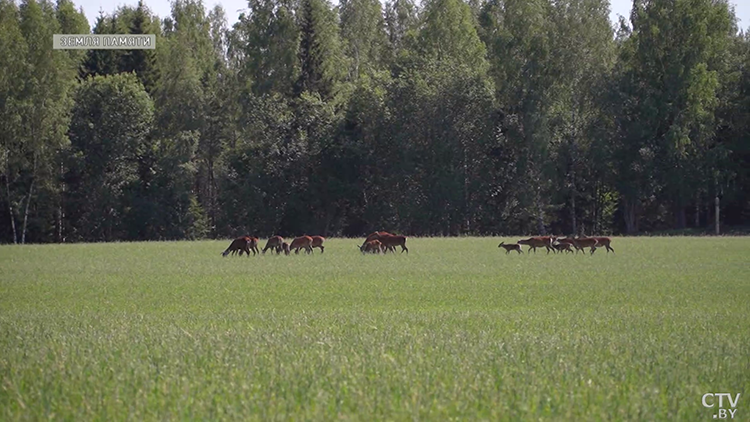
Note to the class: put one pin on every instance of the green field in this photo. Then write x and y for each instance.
(456, 329)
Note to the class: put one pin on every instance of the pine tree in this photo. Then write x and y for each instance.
(141, 61)
(322, 65)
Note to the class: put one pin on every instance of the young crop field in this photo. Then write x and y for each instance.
(455, 329)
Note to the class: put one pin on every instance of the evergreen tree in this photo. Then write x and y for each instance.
(363, 34)
(141, 61)
(322, 64)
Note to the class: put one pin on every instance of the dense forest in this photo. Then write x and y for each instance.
(440, 118)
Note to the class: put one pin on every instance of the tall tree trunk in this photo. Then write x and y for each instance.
(211, 202)
(595, 211)
(28, 201)
(573, 221)
(573, 213)
(716, 213)
(10, 204)
(631, 219)
(467, 227)
(680, 220)
(540, 214)
(60, 213)
(697, 209)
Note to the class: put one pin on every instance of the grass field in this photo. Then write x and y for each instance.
(456, 329)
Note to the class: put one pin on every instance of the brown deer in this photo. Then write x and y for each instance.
(390, 241)
(302, 242)
(560, 246)
(537, 242)
(510, 247)
(252, 244)
(550, 240)
(240, 244)
(604, 241)
(566, 240)
(373, 246)
(317, 242)
(585, 242)
(274, 243)
(375, 236)
(284, 247)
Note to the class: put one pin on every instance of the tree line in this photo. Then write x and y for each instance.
(447, 117)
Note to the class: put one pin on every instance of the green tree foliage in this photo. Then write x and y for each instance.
(102, 62)
(142, 62)
(401, 19)
(12, 69)
(449, 34)
(520, 37)
(109, 130)
(36, 109)
(583, 51)
(264, 44)
(363, 35)
(322, 62)
(476, 117)
(671, 63)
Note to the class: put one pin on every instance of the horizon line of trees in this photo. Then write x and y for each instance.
(448, 117)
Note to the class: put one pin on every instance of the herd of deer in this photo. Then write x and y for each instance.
(376, 242)
(555, 244)
(276, 243)
(383, 242)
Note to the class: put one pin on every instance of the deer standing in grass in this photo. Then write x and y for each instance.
(252, 244)
(375, 236)
(560, 247)
(302, 242)
(510, 247)
(390, 242)
(604, 241)
(317, 242)
(238, 245)
(274, 243)
(537, 242)
(585, 242)
(372, 246)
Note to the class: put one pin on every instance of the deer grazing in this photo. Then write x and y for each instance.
(284, 247)
(252, 244)
(302, 242)
(375, 236)
(274, 243)
(510, 247)
(241, 244)
(372, 246)
(317, 242)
